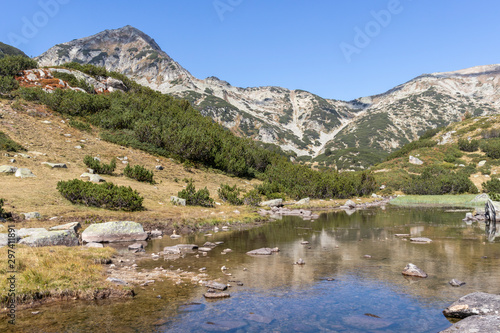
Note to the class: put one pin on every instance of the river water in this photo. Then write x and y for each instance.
(351, 280)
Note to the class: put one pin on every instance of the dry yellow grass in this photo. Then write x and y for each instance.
(55, 272)
(55, 142)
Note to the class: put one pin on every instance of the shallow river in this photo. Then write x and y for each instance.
(351, 280)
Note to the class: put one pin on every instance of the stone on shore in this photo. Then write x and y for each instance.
(304, 201)
(4, 239)
(272, 203)
(75, 226)
(24, 173)
(412, 270)
(350, 204)
(120, 231)
(94, 245)
(51, 238)
(477, 324)
(477, 303)
(25, 232)
(216, 295)
(136, 247)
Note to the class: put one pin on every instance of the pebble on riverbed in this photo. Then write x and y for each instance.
(456, 283)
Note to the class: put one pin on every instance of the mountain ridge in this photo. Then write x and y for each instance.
(316, 129)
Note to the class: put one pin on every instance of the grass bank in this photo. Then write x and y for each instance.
(56, 273)
(446, 200)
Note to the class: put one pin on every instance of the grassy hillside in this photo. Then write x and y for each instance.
(470, 148)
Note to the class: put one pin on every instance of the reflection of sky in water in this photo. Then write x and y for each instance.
(339, 305)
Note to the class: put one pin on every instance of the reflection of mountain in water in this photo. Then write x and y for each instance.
(338, 244)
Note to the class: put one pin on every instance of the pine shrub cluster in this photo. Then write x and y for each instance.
(230, 194)
(196, 198)
(438, 180)
(138, 172)
(98, 167)
(106, 195)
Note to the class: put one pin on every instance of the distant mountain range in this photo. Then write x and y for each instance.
(348, 134)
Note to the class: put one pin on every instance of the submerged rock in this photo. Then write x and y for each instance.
(266, 251)
(412, 270)
(121, 231)
(420, 240)
(477, 303)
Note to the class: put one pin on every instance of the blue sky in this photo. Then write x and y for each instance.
(336, 49)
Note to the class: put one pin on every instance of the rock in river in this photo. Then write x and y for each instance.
(216, 285)
(477, 303)
(121, 231)
(266, 251)
(456, 283)
(476, 324)
(412, 270)
(420, 240)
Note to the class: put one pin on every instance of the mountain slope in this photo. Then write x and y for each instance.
(10, 50)
(350, 134)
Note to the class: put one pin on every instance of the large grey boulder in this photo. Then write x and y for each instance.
(75, 226)
(4, 239)
(121, 231)
(24, 173)
(304, 201)
(272, 203)
(51, 238)
(476, 324)
(7, 169)
(25, 232)
(477, 303)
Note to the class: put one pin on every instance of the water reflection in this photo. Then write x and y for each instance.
(353, 268)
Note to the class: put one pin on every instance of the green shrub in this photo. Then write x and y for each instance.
(430, 133)
(106, 195)
(98, 167)
(8, 144)
(230, 194)
(436, 179)
(139, 173)
(7, 84)
(11, 65)
(196, 198)
(252, 198)
(74, 82)
(491, 186)
(490, 134)
(80, 125)
(491, 148)
(406, 149)
(469, 146)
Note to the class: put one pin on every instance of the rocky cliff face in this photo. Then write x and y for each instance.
(350, 134)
